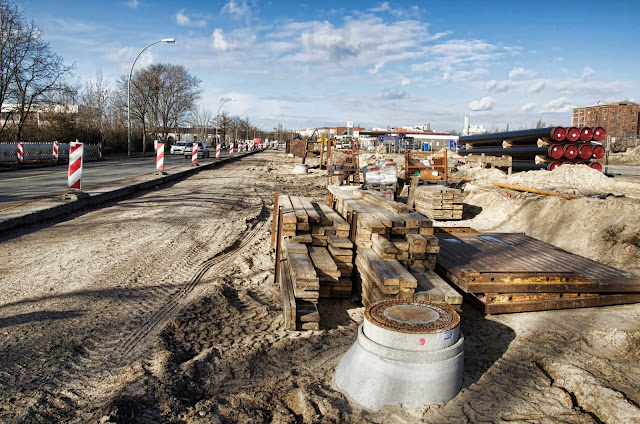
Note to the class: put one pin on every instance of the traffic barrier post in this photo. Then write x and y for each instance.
(160, 157)
(218, 151)
(74, 179)
(231, 149)
(56, 146)
(20, 152)
(194, 153)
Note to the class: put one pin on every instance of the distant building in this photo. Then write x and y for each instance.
(476, 129)
(617, 118)
(38, 112)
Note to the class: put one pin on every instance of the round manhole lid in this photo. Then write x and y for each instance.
(413, 317)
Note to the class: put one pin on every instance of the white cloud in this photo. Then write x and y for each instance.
(485, 103)
(561, 105)
(405, 81)
(521, 72)
(586, 73)
(219, 42)
(183, 20)
(538, 86)
(528, 107)
(377, 68)
(133, 4)
(384, 7)
(239, 10)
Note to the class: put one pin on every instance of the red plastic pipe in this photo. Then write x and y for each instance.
(586, 134)
(573, 134)
(553, 165)
(598, 151)
(585, 151)
(570, 151)
(599, 134)
(556, 151)
(596, 165)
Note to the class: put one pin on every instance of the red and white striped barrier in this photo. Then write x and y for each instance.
(100, 150)
(194, 153)
(160, 157)
(74, 177)
(20, 152)
(231, 149)
(218, 150)
(54, 152)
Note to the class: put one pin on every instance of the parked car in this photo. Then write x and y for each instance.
(178, 147)
(203, 150)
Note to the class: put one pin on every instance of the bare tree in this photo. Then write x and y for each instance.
(201, 120)
(95, 98)
(30, 69)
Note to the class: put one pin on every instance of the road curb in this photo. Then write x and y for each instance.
(105, 195)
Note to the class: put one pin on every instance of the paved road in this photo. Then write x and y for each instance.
(622, 169)
(29, 183)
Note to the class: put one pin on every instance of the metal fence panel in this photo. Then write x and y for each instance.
(43, 152)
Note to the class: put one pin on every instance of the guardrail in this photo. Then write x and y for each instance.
(39, 152)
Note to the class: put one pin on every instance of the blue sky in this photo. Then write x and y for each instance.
(378, 63)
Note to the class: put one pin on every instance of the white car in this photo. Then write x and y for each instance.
(178, 147)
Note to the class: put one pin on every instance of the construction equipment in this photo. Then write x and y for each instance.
(431, 166)
(343, 165)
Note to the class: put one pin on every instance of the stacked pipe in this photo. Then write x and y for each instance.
(541, 148)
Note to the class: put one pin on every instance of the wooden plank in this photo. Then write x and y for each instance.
(302, 238)
(338, 221)
(377, 267)
(492, 263)
(426, 290)
(288, 213)
(302, 269)
(337, 252)
(312, 213)
(291, 246)
(579, 300)
(451, 296)
(322, 259)
(406, 279)
(340, 242)
(301, 214)
(288, 299)
(324, 219)
(383, 244)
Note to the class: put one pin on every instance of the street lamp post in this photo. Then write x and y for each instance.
(218, 114)
(164, 40)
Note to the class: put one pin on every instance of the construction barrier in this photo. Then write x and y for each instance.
(74, 177)
(218, 151)
(231, 149)
(42, 152)
(20, 152)
(194, 153)
(54, 152)
(160, 157)
(99, 150)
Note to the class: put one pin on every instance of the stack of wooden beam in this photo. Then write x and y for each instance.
(317, 256)
(396, 249)
(299, 276)
(439, 202)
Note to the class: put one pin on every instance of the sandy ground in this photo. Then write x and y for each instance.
(163, 308)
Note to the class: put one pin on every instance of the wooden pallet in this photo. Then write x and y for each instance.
(507, 272)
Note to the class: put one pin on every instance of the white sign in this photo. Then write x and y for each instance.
(356, 134)
(349, 124)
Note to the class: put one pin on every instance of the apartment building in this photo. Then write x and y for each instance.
(617, 118)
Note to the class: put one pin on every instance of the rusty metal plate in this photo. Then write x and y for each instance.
(408, 316)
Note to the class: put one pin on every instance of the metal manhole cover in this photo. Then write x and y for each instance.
(408, 316)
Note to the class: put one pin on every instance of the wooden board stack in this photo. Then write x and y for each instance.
(439, 202)
(396, 249)
(317, 254)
